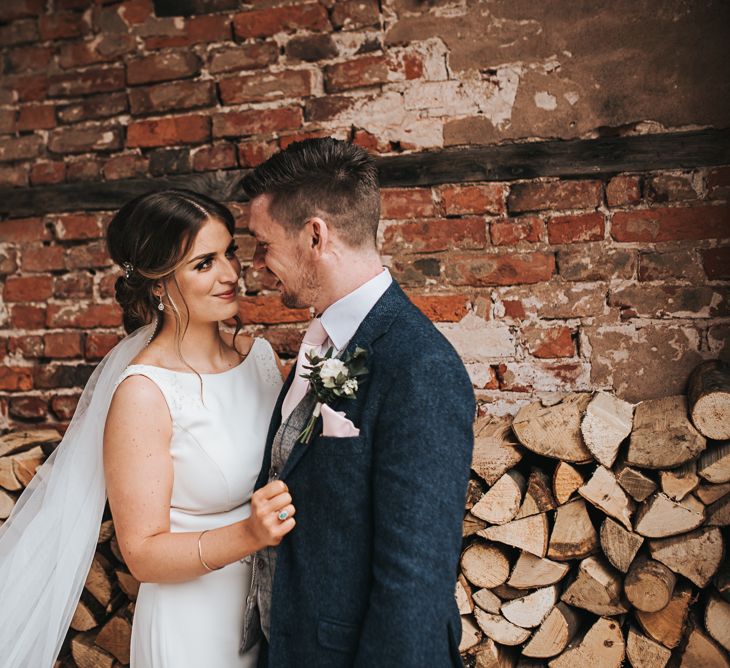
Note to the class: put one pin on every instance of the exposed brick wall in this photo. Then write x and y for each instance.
(544, 285)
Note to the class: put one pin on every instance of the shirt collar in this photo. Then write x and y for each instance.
(341, 319)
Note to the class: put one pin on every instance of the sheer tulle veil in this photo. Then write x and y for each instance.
(48, 542)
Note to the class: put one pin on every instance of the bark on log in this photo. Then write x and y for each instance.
(697, 555)
(538, 497)
(554, 431)
(619, 545)
(554, 634)
(649, 585)
(663, 437)
(574, 535)
(708, 395)
(607, 422)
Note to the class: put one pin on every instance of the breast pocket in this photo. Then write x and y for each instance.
(345, 446)
(337, 635)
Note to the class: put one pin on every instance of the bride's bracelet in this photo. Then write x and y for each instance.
(200, 554)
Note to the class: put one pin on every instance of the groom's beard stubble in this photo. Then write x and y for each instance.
(305, 293)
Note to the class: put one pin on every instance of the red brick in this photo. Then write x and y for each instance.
(23, 230)
(716, 262)
(106, 285)
(125, 167)
(254, 122)
(25, 316)
(75, 226)
(671, 224)
(198, 30)
(83, 170)
(556, 341)
(165, 66)
(29, 58)
(20, 9)
(243, 57)
(718, 182)
(441, 308)
(15, 378)
(623, 190)
(513, 230)
(412, 66)
(253, 153)
(35, 257)
(370, 142)
(27, 346)
(267, 22)
(99, 344)
(20, 148)
(27, 288)
(136, 11)
(354, 14)
(94, 107)
(19, 32)
(461, 199)
(28, 408)
(73, 84)
(8, 263)
(64, 405)
(670, 188)
(73, 286)
(62, 345)
(575, 228)
(15, 176)
(311, 48)
(194, 129)
(8, 123)
(484, 270)
(554, 195)
(27, 88)
(269, 310)
(265, 86)
(328, 107)
(83, 140)
(174, 96)
(365, 71)
(88, 256)
(104, 49)
(45, 173)
(399, 203)
(61, 25)
(83, 315)
(514, 308)
(218, 156)
(52, 376)
(428, 236)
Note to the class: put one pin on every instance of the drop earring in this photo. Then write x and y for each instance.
(160, 306)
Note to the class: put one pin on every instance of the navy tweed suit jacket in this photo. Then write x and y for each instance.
(367, 576)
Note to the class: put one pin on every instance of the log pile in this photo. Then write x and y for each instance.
(595, 533)
(100, 631)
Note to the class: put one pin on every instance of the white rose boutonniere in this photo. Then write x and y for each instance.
(331, 378)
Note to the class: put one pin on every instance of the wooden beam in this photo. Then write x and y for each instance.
(579, 158)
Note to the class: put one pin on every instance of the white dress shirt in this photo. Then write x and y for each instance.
(341, 319)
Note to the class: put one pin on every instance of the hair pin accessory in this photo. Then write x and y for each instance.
(128, 269)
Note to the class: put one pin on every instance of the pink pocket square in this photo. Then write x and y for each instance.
(334, 423)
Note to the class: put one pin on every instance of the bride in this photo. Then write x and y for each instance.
(172, 427)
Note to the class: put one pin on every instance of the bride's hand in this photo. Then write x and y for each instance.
(268, 505)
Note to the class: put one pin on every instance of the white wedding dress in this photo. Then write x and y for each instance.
(217, 445)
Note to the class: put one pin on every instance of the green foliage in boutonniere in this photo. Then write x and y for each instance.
(332, 378)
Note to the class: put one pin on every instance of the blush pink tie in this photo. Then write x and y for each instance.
(314, 339)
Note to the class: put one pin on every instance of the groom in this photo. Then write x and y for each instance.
(367, 576)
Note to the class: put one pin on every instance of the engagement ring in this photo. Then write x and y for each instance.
(283, 515)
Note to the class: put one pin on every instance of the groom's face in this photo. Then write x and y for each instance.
(284, 255)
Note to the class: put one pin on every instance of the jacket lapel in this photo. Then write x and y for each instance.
(375, 324)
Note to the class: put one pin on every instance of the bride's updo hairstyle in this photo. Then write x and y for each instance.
(149, 237)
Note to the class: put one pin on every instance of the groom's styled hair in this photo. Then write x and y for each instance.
(329, 178)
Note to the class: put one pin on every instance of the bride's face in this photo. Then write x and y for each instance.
(207, 279)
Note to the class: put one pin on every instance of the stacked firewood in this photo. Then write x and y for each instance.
(101, 627)
(595, 533)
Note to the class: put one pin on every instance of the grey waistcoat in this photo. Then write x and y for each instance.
(257, 616)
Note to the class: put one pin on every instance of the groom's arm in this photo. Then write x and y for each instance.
(422, 454)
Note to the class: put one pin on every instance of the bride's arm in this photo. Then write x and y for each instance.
(139, 476)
